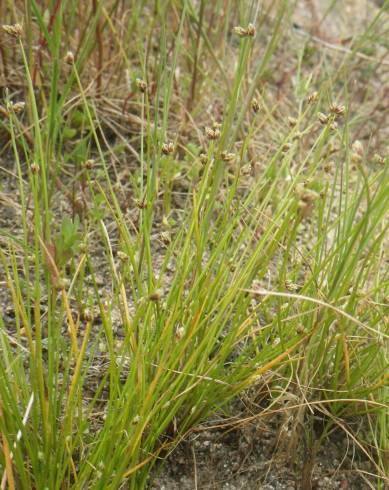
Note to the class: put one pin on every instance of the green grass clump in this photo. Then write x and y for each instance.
(185, 232)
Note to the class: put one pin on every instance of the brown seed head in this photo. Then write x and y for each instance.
(79, 205)
(165, 237)
(286, 147)
(156, 295)
(18, 107)
(179, 333)
(357, 147)
(240, 31)
(255, 106)
(227, 157)
(328, 167)
(141, 84)
(203, 158)
(251, 30)
(310, 196)
(231, 265)
(140, 204)
(323, 118)
(14, 30)
(212, 134)
(379, 159)
(338, 110)
(89, 164)
(291, 286)
(292, 121)
(62, 283)
(298, 135)
(123, 257)
(314, 97)
(86, 315)
(34, 168)
(69, 58)
(168, 148)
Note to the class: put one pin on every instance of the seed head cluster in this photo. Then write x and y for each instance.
(69, 58)
(314, 97)
(167, 148)
(212, 134)
(337, 110)
(35, 168)
(227, 157)
(248, 31)
(255, 106)
(203, 158)
(89, 164)
(141, 84)
(14, 30)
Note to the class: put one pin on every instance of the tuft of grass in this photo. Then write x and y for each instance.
(186, 231)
